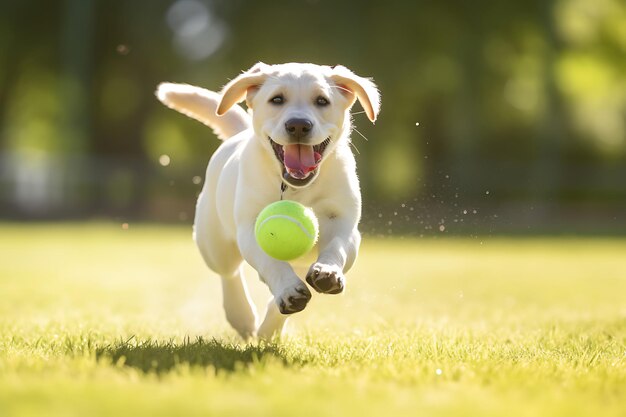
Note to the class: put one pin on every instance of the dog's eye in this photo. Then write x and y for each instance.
(279, 99)
(322, 101)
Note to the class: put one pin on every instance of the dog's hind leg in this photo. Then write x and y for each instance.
(238, 305)
(222, 256)
(274, 322)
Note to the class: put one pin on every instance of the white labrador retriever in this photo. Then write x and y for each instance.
(293, 143)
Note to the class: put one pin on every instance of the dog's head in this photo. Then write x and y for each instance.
(301, 111)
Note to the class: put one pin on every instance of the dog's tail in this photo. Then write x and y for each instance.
(201, 104)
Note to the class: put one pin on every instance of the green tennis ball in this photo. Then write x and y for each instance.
(286, 230)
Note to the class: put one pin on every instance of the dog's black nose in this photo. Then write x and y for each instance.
(298, 128)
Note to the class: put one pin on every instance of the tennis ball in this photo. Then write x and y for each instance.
(286, 230)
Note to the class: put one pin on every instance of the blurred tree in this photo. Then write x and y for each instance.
(526, 99)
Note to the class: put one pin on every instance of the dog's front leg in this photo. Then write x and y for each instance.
(290, 293)
(339, 245)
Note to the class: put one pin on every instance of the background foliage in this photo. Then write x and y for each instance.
(503, 115)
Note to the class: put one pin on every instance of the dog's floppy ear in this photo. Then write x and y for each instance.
(363, 88)
(236, 90)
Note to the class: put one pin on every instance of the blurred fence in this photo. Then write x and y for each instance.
(490, 197)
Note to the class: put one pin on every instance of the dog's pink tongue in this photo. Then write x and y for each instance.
(299, 160)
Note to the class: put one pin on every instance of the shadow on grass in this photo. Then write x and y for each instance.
(163, 356)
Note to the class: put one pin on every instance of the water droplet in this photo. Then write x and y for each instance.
(196, 180)
(442, 228)
(439, 371)
(464, 211)
(417, 123)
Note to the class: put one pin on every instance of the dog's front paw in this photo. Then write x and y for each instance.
(327, 279)
(293, 299)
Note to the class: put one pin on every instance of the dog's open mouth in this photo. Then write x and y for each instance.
(300, 162)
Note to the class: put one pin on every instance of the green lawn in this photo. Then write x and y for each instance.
(96, 320)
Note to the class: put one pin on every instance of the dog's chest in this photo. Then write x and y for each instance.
(315, 197)
(308, 196)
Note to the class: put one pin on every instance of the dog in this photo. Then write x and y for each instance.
(293, 143)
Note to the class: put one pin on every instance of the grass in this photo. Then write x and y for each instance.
(98, 321)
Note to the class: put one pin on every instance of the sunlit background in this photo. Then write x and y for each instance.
(497, 117)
